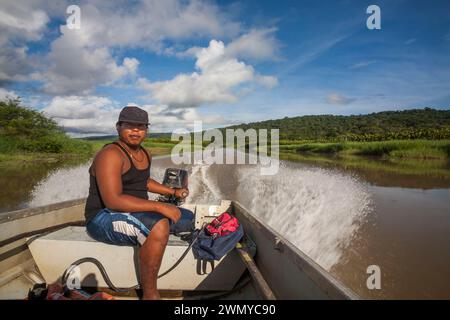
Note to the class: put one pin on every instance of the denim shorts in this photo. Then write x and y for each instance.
(132, 229)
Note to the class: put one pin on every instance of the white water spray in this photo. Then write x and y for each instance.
(62, 185)
(317, 210)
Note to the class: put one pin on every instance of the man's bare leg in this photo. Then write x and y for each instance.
(150, 255)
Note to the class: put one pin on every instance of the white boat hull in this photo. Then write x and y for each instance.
(288, 271)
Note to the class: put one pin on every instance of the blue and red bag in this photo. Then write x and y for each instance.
(217, 238)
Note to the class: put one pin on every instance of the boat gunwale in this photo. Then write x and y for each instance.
(28, 212)
(322, 278)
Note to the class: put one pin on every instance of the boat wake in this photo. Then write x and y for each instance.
(61, 185)
(318, 210)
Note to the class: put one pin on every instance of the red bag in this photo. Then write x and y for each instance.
(222, 225)
(218, 238)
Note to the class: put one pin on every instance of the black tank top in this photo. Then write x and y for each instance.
(134, 183)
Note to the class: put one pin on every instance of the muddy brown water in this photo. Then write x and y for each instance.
(345, 217)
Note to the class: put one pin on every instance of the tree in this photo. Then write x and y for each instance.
(18, 121)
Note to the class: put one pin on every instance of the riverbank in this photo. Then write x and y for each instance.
(29, 151)
(414, 151)
(29, 136)
(410, 161)
(155, 148)
(391, 149)
(35, 157)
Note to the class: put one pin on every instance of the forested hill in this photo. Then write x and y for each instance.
(407, 124)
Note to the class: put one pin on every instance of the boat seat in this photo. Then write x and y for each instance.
(53, 253)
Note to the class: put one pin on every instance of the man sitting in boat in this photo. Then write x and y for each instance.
(118, 210)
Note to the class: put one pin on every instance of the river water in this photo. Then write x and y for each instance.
(345, 219)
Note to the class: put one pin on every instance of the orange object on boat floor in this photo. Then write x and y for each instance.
(56, 292)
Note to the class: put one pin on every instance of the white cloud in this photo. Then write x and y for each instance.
(76, 107)
(337, 98)
(98, 115)
(148, 23)
(266, 81)
(410, 41)
(131, 64)
(6, 94)
(14, 64)
(75, 69)
(165, 119)
(362, 64)
(314, 49)
(21, 21)
(259, 44)
(18, 24)
(217, 77)
(83, 114)
(81, 60)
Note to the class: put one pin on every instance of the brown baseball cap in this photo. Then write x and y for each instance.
(133, 114)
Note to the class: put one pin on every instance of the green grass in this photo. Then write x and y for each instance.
(436, 168)
(27, 157)
(404, 149)
(27, 134)
(321, 147)
(155, 146)
(50, 149)
(64, 149)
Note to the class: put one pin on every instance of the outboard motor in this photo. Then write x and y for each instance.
(178, 178)
(174, 178)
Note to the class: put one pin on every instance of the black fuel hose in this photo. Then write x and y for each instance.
(102, 271)
(105, 276)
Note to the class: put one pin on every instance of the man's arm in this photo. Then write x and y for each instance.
(156, 187)
(108, 172)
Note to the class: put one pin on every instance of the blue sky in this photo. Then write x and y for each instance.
(223, 62)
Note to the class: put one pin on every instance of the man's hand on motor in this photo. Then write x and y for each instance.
(181, 193)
